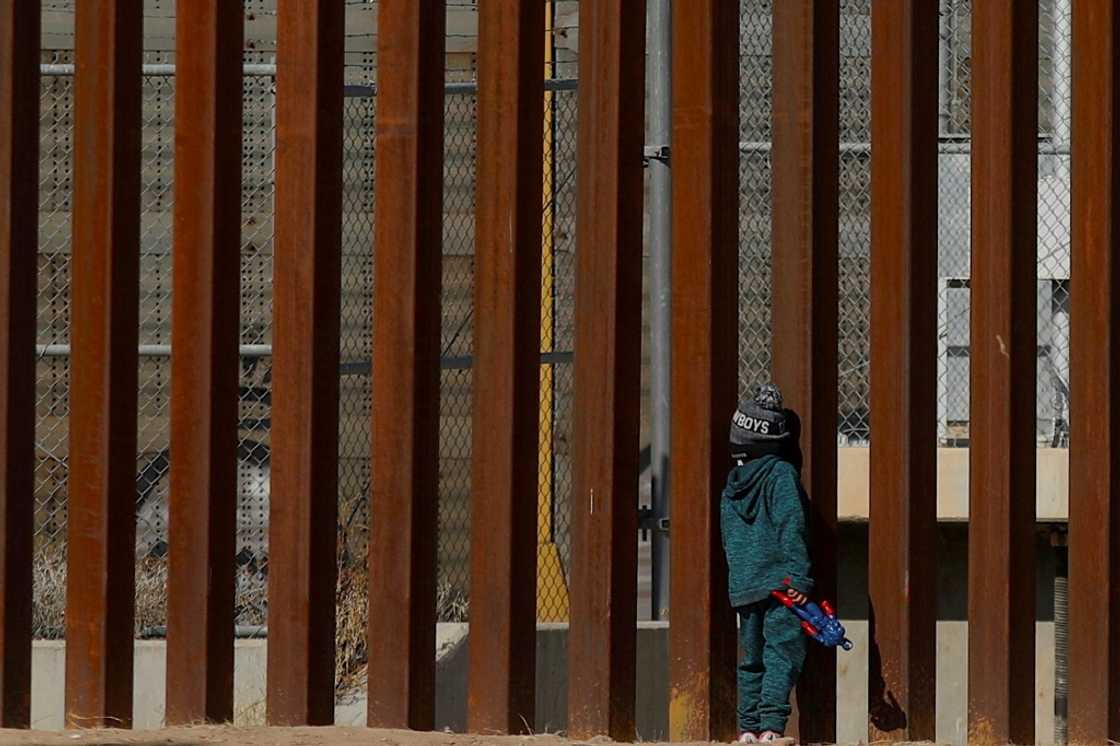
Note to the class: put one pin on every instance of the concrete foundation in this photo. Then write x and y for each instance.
(47, 704)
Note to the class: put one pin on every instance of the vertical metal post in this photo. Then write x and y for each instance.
(705, 359)
(1094, 474)
(100, 597)
(204, 365)
(608, 341)
(1003, 361)
(506, 382)
(660, 118)
(304, 507)
(902, 533)
(552, 592)
(806, 120)
(19, 211)
(408, 247)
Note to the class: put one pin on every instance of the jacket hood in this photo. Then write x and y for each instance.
(745, 482)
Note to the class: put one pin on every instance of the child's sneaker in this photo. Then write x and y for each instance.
(747, 737)
(775, 738)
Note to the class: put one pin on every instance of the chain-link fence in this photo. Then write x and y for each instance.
(558, 219)
(1053, 222)
(153, 458)
(854, 354)
(755, 88)
(953, 215)
(954, 223)
(1054, 178)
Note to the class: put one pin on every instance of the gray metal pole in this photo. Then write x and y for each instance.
(658, 75)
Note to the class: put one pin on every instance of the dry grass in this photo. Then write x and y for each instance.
(48, 612)
(151, 594)
(350, 633)
(352, 615)
(49, 609)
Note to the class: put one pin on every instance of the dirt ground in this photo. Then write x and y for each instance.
(218, 736)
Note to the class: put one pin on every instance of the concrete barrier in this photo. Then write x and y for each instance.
(47, 704)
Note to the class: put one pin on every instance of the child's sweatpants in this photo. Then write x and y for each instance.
(773, 652)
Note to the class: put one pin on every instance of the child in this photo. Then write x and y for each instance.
(763, 522)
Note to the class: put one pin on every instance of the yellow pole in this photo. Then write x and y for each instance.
(552, 591)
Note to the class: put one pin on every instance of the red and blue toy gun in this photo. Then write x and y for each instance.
(819, 622)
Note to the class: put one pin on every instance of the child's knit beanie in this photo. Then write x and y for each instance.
(760, 425)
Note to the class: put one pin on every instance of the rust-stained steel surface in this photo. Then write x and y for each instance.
(304, 507)
(1094, 481)
(19, 206)
(904, 38)
(805, 163)
(103, 376)
(204, 364)
(1003, 360)
(506, 381)
(406, 317)
(705, 360)
(608, 338)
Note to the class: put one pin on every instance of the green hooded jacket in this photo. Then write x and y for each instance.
(765, 531)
